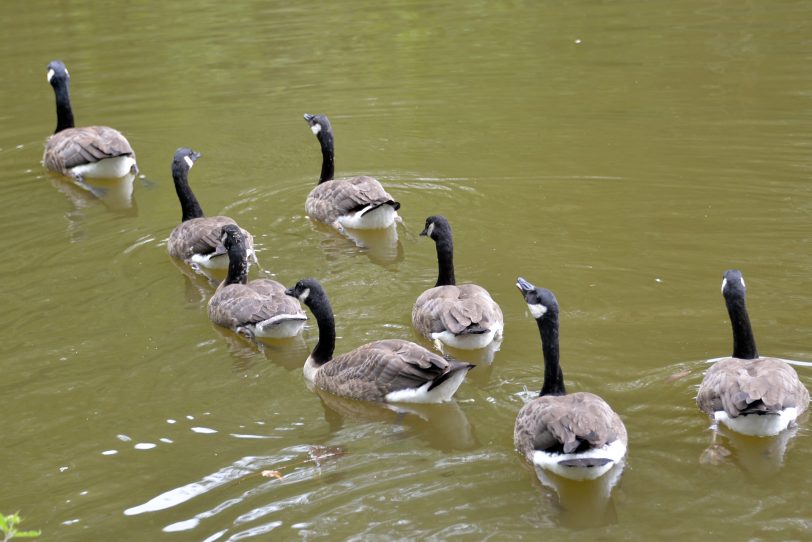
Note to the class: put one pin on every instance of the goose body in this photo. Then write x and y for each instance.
(356, 203)
(259, 308)
(197, 239)
(90, 152)
(577, 436)
(390, 370)
(750, 394)
(461, 316)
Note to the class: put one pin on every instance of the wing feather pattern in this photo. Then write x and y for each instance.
(566, 424)
(376, 369)
(332, 199)
(740, 386)
(459, 309)
(80, 146)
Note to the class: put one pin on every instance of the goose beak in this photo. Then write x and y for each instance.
(524, 286)
(308, 117)
(194, 156)
(425, 232)
(289, 292)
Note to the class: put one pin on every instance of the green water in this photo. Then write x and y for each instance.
(622, 154)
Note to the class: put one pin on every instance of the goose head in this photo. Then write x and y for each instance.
(539, 300)
(232, 238)
(436, 226)
(305, 291)
(733, 283)
(184, 159)
(319, 124)
(57, 72)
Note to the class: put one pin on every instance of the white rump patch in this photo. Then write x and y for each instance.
(50, 75)
(758, 425)
(368, 218)
(537, 310)
(108, 168)
(303, 295)
(614, 452)
(440, 394)
(473, 341)
(281, 326)
(315, 128)
(189, 161)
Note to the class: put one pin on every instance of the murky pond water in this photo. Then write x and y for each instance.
(622, 154)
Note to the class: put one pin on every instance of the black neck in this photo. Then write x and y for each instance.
(323, 312)
(553, 377)
(327, 156)
(64, 113)
(445, 261)
(188, 202)
(744, 343)
(237, 265)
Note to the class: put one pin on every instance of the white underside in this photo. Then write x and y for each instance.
(755, 425)
(310, 370)
(283, 326)
(209, 261)
(551, 462)
(473, 341)
(440, 394)
(378, 219)
(109, 168)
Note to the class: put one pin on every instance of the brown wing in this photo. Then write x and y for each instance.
(738, 386)
(455, 309)
(78, 146)
(332, 199)
(259, 300)
(201, 236)
(378, 368)
(566, 423)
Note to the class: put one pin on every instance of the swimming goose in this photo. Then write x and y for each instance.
(92, 152)
(257, 309)
(577, 435)
(462, 316)
(197, 239)
(390, 370)
(750, 394)
(358, 203)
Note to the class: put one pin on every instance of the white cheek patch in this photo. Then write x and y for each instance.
(742, 279)
(316, 128)
(50, 75)
(724, 283)
(189, 161)
(430, 229)
(303, 295)
(538, 310)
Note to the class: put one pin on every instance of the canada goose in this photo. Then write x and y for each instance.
(750, 394)
(463, 316)
(93, 152)
(577, 436)
(359, 203)
(391, 370)
(197, 238)
(257, 309)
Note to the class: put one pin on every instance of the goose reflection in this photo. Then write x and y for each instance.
(757, 456)
(287, 353)
(443, 426)
(583, 504)
(115, 194)
(382, 247)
